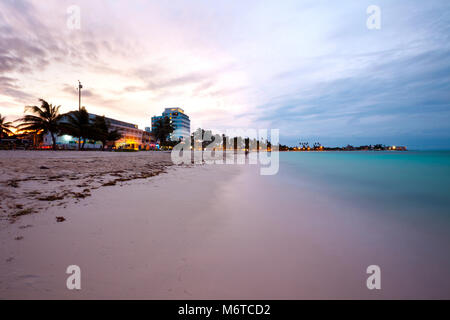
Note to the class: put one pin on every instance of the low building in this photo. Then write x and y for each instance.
(131, 134)
(132, 137)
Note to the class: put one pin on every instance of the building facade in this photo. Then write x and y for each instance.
(132, 137)
(180, 121)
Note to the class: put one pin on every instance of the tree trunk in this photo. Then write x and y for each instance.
(79, 143)
(53, 140)
(34, 140)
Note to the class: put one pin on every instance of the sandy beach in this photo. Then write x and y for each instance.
(204, 232)
(31, 182)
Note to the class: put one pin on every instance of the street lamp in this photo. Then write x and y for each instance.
(79, 95)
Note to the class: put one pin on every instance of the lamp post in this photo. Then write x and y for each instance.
(79, 109)
(79, 95)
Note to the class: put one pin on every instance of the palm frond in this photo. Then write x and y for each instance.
(35, 110)
(6, 130)
(45, 118)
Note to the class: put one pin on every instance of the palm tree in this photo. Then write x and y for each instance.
(113, 136)
(102, 131)
(5, 127)
(45, 119)
(163, 128)
(78, 125)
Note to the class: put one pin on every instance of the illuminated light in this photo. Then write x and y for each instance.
(393, 147)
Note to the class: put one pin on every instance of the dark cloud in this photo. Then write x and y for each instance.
(91, 97)
(155, 82)
(21, 56)
(17, 51)
(384, 98)
(159, 79)
(8, 87)
(29, 46)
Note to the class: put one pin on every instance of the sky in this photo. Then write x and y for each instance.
(312, 68)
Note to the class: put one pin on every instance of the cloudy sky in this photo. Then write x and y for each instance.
(308, 67)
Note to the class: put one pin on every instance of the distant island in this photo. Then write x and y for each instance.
(318, 147)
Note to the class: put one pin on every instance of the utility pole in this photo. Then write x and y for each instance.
(79, 95)
(79, 109)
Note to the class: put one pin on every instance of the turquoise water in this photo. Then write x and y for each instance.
(414, 184)
(386, 208)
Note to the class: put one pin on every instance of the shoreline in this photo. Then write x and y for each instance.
(217, 232)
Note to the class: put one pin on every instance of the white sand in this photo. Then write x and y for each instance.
(211, 232)
(31, 182)
(130, 242)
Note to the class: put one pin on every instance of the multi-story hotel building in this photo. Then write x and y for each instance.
(179, 120)
(132, 137)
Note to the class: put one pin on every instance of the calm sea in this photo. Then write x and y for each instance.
(404, 183)
(386, 208)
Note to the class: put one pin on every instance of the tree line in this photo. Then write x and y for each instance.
(223, 141)
(46, 119)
